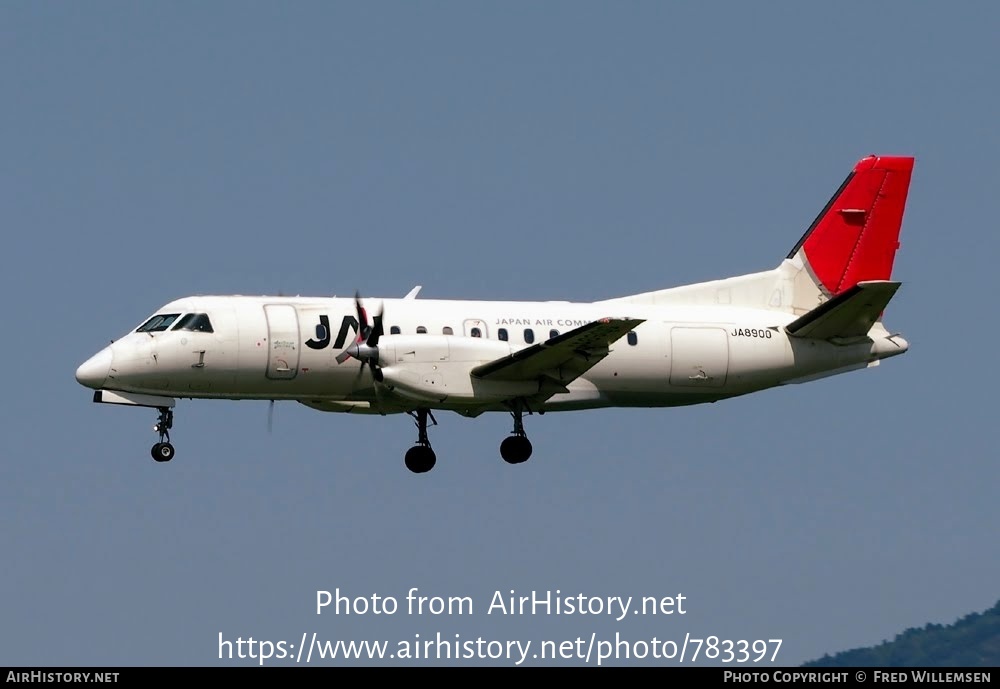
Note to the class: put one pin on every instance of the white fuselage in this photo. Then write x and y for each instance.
(817, 313)
(276, 348)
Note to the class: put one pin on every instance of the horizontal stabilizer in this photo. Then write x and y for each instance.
(563, 358)
(851, 313)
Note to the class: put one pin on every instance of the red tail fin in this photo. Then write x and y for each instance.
(856, 235)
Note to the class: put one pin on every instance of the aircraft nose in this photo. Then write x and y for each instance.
(94, 371)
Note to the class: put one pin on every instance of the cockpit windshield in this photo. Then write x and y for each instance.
(195, 322)
(158, 323)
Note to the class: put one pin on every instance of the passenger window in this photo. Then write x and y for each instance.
(476, 332)
(446, 330)
(529, 335)
(502, 334)
(394, 330)
(633, 339)
(158, 323)
(198, 323)
(553, 333)
(421, 330)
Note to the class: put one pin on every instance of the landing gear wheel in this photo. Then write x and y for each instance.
(420, 459)
(162, 452)
(515, 449)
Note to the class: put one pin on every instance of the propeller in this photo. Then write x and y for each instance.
(270, 416)
(365, 347)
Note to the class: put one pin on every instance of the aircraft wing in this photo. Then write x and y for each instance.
(563, 358)
(850, 314)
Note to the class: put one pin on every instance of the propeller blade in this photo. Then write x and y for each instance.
(365, 348)
(363, 327)
(376, 332)
(379, 401)
(270, 416)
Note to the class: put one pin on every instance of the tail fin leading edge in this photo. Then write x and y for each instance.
(855, 237)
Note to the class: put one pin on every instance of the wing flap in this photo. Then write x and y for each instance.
(564, 357)
(851, 313)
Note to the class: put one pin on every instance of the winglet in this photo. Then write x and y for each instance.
(412, 294)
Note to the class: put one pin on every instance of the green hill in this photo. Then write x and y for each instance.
(972, 641)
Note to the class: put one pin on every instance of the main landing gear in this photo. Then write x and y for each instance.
(516, 448)
(163, 451)
(421, 458)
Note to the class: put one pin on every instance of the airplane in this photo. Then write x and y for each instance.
(817, 313)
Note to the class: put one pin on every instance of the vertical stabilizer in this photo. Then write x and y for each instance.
(853, 240)
(855, 237)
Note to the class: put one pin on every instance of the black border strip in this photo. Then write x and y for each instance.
(821, 215)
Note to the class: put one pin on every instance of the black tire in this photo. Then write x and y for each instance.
(162, 452)
(515, 449)
(420, 459)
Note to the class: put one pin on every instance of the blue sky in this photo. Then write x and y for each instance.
(548, 151)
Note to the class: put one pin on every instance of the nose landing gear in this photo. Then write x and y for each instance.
(163, 451)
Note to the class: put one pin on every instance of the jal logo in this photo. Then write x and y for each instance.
(322, 339)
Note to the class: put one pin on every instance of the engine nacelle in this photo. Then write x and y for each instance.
(437, 368)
